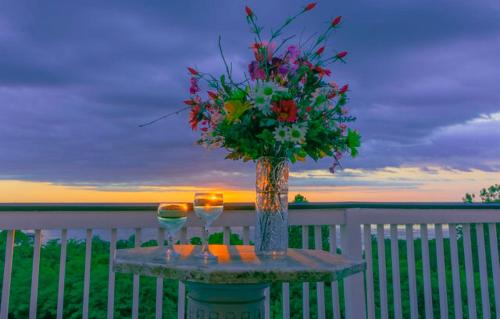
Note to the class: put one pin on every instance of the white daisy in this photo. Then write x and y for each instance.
(262, 95)
(282, 134)
(268, 89)
(297, 133)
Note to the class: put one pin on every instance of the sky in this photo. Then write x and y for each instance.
(77, 79)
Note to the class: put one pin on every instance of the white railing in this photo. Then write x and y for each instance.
(423, 238)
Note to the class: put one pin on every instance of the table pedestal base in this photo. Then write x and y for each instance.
(245, 301)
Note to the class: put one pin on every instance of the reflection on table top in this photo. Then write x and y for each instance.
(236, 265)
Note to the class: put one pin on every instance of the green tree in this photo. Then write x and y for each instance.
(487, 195)
(300, 199)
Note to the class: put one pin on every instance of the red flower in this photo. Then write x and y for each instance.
(331, 95)
(213, 95)
(193, 71)
(286, 110)
(320, 50)
(341, 55)
(344, 89)
(322, 72)
(193, 117)
(248, 11)
(308, 109)
(336, 21)
(310, 6)
(189, 102)
(308, 64)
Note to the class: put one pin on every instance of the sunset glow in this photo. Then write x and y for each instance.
(399, 184)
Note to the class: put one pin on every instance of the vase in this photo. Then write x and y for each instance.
(271, 206)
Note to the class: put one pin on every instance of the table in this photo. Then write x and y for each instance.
(233, 286)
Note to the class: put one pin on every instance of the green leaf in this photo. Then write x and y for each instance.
(267, 136)
(353, 141)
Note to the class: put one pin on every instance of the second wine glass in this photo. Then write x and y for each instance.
(208, 207)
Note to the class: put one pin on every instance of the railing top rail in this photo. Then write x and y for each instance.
(242, 206)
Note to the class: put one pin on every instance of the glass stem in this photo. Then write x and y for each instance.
(170, 244)
(204, 248)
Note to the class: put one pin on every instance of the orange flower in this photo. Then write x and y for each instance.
(193, 117)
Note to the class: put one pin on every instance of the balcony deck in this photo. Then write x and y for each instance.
(423, 260)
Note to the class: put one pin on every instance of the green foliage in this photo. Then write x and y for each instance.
(487, 195)
(299, 198)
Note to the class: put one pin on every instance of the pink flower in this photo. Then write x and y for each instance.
(263, 50)
(255, 71)
(320, 50)
(194, 86)
(344, 89)
(341, 55)
(293, 52)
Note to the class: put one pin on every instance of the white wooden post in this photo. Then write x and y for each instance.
(7, 273)
(354, 287)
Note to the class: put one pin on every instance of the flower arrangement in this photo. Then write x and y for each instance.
(287, 107)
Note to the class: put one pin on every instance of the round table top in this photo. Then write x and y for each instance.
(236, 264)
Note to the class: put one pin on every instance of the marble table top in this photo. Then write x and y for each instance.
(236, 265)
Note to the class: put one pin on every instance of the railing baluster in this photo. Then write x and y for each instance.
(424, 234)
(181, 295)
(455, 272)
(111, 275)
(396, 278)
(384, 313)
(7, 273)
(136, 282)
(320, 286)
(335, 284)
(285, 287)
(483, 272)
(34, 274)
(443, 295)
(305, 285)
(412, 274)
(267, 304)
(469, 273)
(86, 275)
(159, 280)
(370, 301)
(62, 274)
(227, 235)
(495, 265)
(286, 300)
(246, 235)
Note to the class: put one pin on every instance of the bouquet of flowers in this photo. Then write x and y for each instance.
(286, 106)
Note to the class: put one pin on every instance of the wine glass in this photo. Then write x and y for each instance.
(172, 217)
(208, 207)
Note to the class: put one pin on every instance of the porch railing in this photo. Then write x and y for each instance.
(423, 260)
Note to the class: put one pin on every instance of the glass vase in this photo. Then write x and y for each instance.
(271, 206)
